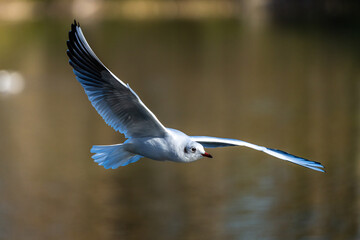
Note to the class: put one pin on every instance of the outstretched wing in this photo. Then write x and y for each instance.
(214, 142)
(116, 102)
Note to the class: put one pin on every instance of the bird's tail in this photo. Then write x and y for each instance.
(113, 156)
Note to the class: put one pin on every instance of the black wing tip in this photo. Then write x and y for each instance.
(74, 27)
(75, 23)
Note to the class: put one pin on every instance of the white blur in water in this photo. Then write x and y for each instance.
(11, 82)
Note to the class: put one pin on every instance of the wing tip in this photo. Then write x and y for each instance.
(75, 23)
(73, 28)
(80, 51)
(317, 166)
(316, 169)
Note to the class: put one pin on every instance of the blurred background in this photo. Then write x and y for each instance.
(279, 73)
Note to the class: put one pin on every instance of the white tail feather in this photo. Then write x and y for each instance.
(113, 156)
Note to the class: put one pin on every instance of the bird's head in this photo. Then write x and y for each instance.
(194, 151)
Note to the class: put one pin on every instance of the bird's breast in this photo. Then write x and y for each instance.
(154, 148)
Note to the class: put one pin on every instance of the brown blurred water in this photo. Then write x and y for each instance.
(296, 89)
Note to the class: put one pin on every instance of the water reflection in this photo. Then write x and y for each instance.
(11, 82)
(291, 89)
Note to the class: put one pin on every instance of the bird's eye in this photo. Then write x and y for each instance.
(193, 149)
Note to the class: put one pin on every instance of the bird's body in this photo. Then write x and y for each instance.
(123, 110)
(168, 148)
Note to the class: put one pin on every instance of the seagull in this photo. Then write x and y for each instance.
(122, 109)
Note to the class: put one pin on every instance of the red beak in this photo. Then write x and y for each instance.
(207, 155)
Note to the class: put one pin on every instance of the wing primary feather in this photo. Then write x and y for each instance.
(80, 66)
(90, 58)
(81, 56)
(86, 77)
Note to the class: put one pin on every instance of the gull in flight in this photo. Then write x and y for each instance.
(122, 109)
